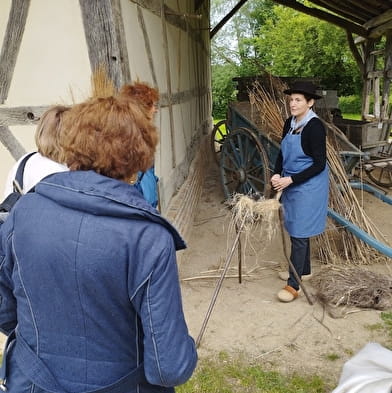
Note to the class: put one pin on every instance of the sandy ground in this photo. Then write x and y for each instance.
(248, 319)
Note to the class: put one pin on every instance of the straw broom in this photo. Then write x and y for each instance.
(251, 211)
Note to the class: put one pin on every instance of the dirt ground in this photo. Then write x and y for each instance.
(247, 318)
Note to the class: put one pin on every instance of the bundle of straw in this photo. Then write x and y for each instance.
(353, 287)
(336, 245)
(252, 212)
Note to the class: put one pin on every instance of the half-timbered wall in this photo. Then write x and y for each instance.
(51, 48)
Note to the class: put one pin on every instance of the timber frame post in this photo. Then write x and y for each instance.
(376, 81)
(8, 56)
(104, 31)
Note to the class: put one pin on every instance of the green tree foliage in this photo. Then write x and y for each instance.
(234, 52)
(223, 88)
(263, 36)
(299, 45)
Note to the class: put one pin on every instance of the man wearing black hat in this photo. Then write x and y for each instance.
(301, 174)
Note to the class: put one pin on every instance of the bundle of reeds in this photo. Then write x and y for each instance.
(336, 245)
(269, 107)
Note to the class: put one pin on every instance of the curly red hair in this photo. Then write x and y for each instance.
(143, 94)
(110, 135)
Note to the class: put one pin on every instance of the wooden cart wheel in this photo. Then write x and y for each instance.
(379, 170)
(218, 135)
(381, 176)
(244, 164)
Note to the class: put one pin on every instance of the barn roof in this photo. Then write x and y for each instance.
(366, 18)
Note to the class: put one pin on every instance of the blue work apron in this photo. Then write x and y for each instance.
(304, 205)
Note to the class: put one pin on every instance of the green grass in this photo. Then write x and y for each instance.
(352, 116)
(387, 319)
(224, 375)
(332, 357)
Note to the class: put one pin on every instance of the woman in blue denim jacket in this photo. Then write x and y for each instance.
(89, 289)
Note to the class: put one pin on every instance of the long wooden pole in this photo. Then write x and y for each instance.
(219, 283)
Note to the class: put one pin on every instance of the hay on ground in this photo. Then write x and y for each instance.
(353, 287)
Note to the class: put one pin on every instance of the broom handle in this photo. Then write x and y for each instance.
(302, 286)
(219, 284)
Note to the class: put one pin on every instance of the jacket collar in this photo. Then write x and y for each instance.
(93, 193)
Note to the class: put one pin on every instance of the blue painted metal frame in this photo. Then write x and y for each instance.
(361, 234)
(367, 187)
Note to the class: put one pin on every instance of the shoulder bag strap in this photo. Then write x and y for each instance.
(18, 181)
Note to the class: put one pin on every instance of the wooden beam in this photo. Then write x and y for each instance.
(169, 85)
(11, 143)
(343, 10)
(11, 44)
(183, 96)
(198, 4)
(354, 50)
(172, 18)
(320, 14)
(387, 79)
(226, 18)
(369, 63)
(24, 115)
(375, 74)
(103, 40)
(122, 45)
(379, 20)
(380, 30)
(147, 44)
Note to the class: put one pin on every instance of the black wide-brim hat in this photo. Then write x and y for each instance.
(302, 87)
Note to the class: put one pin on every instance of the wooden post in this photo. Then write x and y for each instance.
(387, 76)
(168, 81)
(9, 53)
(105, 38)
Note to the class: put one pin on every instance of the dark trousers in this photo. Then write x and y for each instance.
(300, 258)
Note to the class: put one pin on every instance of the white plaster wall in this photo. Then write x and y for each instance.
(182, 53)
(52, 65)
(5, 9)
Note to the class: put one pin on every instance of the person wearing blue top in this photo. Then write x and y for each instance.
(147, 184)
(89, 287)
(148, 97)
(301, 173)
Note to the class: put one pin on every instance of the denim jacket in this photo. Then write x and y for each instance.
(88, 277)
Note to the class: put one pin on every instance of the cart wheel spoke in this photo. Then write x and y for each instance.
(381, 176)
(218, 135)
(244, 164)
